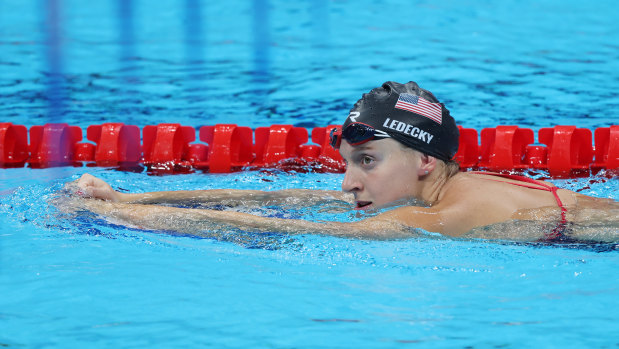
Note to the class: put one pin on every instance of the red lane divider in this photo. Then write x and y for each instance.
(230, 147)
(504, 147)
(569, 149)
(168, 148)
(536, 156)
(278, 142)
(117, 144)
(468, 148)
(607, 148)
(13, 145)
(328, 157)
(197, 155)
(53, 145)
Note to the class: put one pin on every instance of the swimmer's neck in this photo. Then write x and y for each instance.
(434, 186)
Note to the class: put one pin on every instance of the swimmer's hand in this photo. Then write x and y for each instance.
(89, 186)
(67, 204)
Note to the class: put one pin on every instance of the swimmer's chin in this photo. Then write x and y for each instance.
(370, 206)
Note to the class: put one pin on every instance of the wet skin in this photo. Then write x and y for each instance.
(381, 172)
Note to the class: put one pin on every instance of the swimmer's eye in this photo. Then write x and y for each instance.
(366, 160)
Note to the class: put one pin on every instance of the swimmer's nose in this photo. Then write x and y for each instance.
(351, 182)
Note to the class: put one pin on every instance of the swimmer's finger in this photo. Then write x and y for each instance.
(84, 193)
(69, 189)
(90, 186)
(73, 188)
(87, 180)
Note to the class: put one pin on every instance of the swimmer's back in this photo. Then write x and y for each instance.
(473, 200)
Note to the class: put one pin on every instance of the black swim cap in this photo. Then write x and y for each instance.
(411, 116)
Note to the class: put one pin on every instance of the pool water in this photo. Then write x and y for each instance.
(78, 281)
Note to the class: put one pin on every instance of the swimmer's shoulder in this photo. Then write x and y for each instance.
(427, 218)
(449, 220)
(463, 189)
(449, 215)
(468, 201)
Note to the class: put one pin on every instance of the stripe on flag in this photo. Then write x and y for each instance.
(421, 106)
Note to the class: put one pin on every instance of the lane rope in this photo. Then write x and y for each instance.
(561, 150)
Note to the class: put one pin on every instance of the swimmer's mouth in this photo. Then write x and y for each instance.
(362, 205)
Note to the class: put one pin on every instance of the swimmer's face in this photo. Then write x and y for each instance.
(380, 172)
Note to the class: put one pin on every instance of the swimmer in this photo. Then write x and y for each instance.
(398, 143)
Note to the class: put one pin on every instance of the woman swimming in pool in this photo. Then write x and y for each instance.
(397, 142)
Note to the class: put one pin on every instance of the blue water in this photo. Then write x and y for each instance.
(530, 63)
(81, 282)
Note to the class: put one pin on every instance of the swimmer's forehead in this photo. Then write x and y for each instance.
(371, 145)
(348, 151)
(365, 146)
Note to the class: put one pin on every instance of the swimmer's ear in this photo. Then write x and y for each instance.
(427, 165)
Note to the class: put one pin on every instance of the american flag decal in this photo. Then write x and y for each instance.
(420, 106)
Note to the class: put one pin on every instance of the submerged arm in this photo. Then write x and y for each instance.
(94, 187)
(302, 197)
(195, 221)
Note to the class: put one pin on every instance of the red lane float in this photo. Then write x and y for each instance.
(278, 142)
(569, 149)
(504, 147)
(328, 157)
(166, 146)
(606, 148)
(230, 147)
(468, 148)
(169, 148)
(117, 144)
(13, 145)
(53, 145)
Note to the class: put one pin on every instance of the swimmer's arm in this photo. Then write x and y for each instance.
(195, 221)
(303, 197)
(91, 186)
